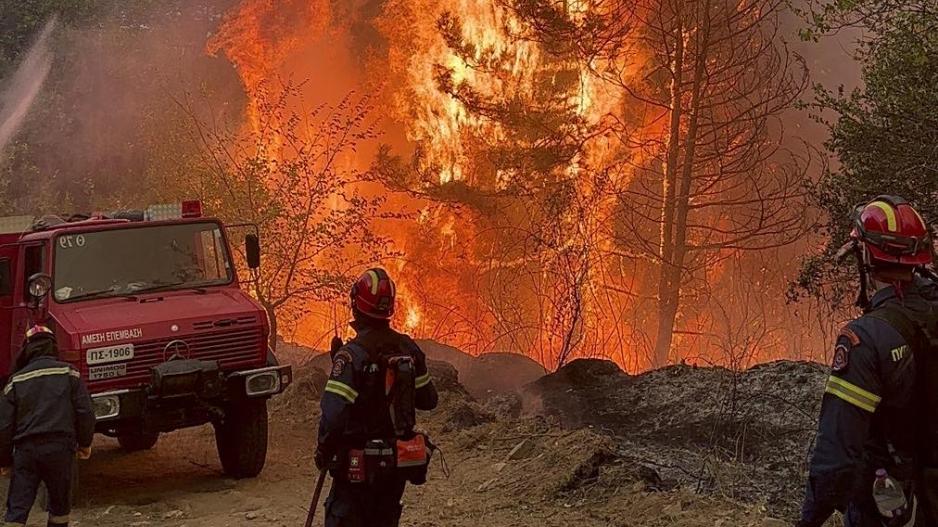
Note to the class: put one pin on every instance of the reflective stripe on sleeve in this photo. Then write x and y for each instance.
(342, 390)
(64, 370)
(853, 394)
(423, 380)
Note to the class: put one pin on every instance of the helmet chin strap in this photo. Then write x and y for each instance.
(863, 268)
(869, 282)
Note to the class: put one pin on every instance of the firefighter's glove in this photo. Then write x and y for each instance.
(4, 471)
(325, 460)
(83, 452)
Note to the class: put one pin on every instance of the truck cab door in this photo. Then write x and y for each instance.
(31, 259)
(9, 257)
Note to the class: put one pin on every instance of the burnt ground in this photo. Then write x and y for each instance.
(594, 447)
(743, 435)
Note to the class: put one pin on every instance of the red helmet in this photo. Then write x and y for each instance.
(39, 330)
(373, 294)
(893, 232)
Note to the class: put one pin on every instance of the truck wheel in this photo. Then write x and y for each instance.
(137, 441)
(242, 439)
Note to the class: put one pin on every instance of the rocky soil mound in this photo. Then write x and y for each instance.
(484, 376)
(488, 374)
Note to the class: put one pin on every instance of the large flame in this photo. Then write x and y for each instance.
(485, 280)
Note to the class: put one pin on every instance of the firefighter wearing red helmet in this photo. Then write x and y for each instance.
(876, 453)
(45, 419)
(367, 436)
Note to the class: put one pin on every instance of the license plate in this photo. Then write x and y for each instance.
(107, 372)
(110, 354)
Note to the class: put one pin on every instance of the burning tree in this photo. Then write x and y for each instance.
(504, 147)
(291, 175)
(564, 149)
(713, 178)
(704, 86)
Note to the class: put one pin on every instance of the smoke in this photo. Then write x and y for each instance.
(25, 84)
(110, 131)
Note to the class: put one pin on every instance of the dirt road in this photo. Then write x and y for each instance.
(179, 483)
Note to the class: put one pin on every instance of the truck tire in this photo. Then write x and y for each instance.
(137, 441)
(242, 439)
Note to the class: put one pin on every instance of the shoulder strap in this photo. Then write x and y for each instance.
(373, 355)
(914, 333)
(357, 347)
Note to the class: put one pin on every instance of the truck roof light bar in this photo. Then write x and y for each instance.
(174, 211)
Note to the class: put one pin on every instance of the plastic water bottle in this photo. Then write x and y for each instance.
(889, 496)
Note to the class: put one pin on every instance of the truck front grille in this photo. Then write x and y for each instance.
(232, 348)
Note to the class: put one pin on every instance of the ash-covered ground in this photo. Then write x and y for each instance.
(745, 435)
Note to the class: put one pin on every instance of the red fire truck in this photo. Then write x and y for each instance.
(147, 305)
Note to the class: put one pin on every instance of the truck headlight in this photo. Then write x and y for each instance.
(264, 383)
(106, 407)
(39, 285)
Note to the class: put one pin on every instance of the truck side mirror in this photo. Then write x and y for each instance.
(252, 249)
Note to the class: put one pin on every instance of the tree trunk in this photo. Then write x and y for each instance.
(666, 308)
(674, 145)
(271, 311)
(670, 286)
(272, 319)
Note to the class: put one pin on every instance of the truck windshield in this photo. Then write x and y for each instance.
(125, 262)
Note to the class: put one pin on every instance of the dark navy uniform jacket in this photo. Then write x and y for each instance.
(349, 414)
(868, 415)
(44, 400)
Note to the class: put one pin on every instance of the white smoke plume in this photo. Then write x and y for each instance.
(24, 84)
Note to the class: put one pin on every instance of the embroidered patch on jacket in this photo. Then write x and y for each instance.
(342, 359)
(841, 357)
(850, 335)
(899, 353)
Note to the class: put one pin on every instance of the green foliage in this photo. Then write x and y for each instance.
(22, 19)
(884, 134)
(825, 17)
(106, 131)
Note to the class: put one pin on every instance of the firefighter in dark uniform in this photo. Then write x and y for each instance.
(367, 419)
(45, 418)
(879, 413)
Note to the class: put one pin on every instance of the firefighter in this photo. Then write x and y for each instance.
(366, 434)
(879, 417)
(45, 417)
